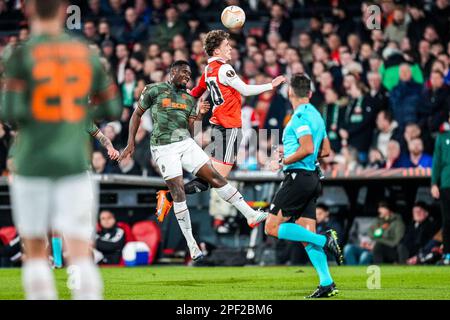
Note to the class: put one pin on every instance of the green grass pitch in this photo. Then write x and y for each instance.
(183, 283)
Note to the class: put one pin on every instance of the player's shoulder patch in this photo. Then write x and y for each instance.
(230, 73)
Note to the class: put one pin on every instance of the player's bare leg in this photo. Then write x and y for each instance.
(230, 194)
(37, 275)
(84, 275)
(176, 187)
(222, 168)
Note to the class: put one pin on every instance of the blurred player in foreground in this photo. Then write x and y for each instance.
(226, 89)
(304, 140)
(46, 87)
(174, 113)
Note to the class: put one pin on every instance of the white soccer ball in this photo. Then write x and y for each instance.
(233, 17)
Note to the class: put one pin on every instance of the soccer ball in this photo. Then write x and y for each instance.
(233, 17)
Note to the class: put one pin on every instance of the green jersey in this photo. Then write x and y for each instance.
(47, 83)
(171, 109)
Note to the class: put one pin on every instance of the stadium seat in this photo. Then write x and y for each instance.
(150, 233)
(7, 234)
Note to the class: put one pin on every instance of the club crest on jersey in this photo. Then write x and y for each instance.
(230, 73)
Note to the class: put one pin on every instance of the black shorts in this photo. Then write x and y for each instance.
(225, 144)
(297, 195)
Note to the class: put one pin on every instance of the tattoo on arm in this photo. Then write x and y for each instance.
(105, 142)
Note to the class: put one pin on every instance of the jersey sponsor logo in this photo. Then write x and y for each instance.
(166, 102)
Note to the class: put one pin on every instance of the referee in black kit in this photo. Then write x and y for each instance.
(304, 140)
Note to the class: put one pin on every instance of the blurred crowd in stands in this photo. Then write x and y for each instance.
(383, 93)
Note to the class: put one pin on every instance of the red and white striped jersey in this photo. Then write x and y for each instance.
(227, 102)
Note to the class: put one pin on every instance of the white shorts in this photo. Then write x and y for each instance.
(173, 158)
(67, 205)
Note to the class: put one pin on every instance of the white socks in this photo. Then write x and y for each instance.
(85, 280)
(184, 221)
(231, 195)
(38, 280)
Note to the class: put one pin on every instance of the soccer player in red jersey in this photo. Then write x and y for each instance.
(226, 88)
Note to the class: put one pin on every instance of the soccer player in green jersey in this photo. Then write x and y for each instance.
(174, 113)
(48, 80)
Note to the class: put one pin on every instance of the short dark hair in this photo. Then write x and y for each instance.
(213, 40)
(179, 63)
(386, 204)
(301, 85)
(423, 205)
(387, 115)
(48, 9)
(323, 206)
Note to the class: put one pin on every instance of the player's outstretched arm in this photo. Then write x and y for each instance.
(228, 77)
(135, 121)
(204, 107)
(107, 144)
(199, 89)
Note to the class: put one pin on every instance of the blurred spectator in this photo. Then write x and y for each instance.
(305, 47)
(358, 250)
(122, 55)
(416, 157)
(279, 22)
(99, 163)
(426, 58)
(393, 155)
(272, 67)
(115, 15)
(325, 221)
(169, 28)
(436, 104)
(133, 30)
(127, 166)
(90, 31)
(332, 115)
(405, 98)
(127, 88)
(390, 69)
(358, 122)
(418, 22)
(387, 129)
(386, 233)
(343, 21)
(195, 28)
(396, 31)
(110, 238)
(377, 92)
(440, 14)
(94, 11)
(376, 159)
(418, 233)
